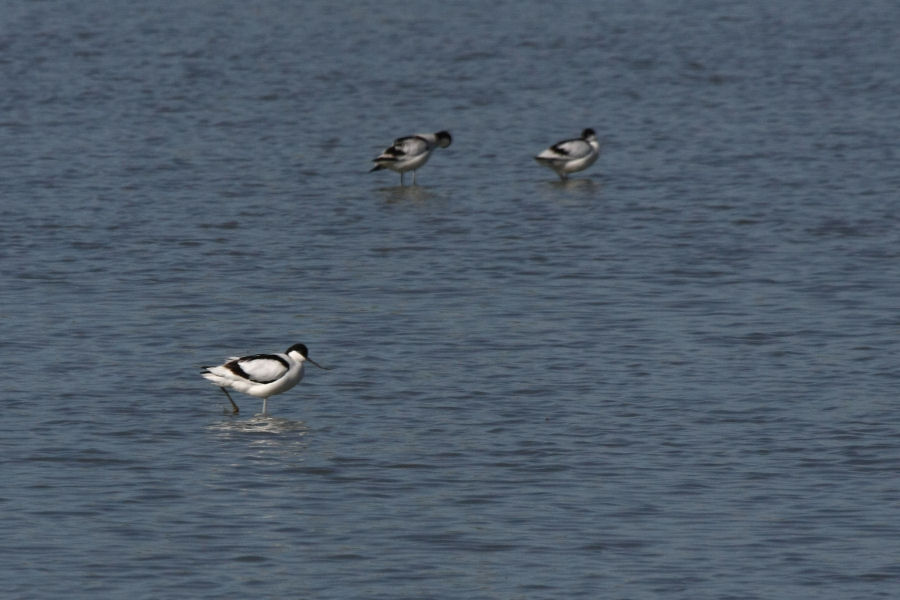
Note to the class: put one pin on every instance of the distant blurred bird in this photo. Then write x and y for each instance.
(411, 152)
(261, 375)
(570, 156)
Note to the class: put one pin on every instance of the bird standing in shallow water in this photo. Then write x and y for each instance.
(411, 152)
(261, 375)
(570, 156)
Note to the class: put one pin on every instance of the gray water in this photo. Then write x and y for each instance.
(674, 376)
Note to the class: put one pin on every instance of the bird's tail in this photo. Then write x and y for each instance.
(376, 168)
(215, 374)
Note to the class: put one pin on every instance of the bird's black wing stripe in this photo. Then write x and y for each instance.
(560, 148)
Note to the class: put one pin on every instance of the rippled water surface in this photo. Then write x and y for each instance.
(674, 376)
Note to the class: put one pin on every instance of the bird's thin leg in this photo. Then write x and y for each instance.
(414, 178)
(265, 407)
(401, 178)
(234, 407)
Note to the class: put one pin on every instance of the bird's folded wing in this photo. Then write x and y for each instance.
(571, 149)
(411, 146)
(261, 368)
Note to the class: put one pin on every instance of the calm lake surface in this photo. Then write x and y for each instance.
(674, 376)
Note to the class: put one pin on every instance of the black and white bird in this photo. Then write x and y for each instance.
(570, 156)
(261, 375)
(411, 152)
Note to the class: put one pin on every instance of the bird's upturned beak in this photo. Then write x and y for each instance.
(318, 365)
